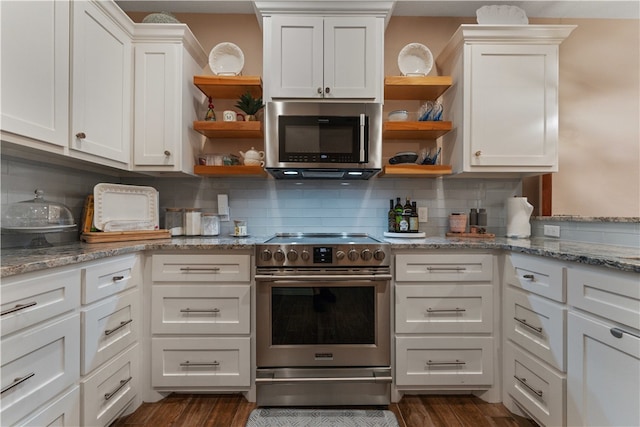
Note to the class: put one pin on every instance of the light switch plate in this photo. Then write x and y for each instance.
(552, 230)
(423, 214)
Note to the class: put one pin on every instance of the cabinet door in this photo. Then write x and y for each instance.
(102, 75)
(350, 58)
(602, 374)
(297, 57)
(35, 70)
(157, 103)
(513, 105)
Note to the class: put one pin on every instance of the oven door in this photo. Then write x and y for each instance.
(323, 321)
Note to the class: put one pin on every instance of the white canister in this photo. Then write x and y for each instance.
(192, 221)
(210, 224)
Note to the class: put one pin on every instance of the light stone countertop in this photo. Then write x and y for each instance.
(17, 261)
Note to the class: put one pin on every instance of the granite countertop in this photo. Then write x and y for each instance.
(16, 261)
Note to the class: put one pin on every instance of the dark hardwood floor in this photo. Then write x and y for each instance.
(232, 410)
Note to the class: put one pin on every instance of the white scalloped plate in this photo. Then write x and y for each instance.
(226, 59)
(501, 15)
(117, 202)
(415, 59)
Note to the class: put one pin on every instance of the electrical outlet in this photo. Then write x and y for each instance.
(423, 214)
(552, 230)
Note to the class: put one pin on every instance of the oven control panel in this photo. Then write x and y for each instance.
(295, 255)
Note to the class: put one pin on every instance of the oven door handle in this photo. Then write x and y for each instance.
(324, 278)
(374, 379)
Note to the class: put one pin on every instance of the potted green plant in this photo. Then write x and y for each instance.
(249, 105)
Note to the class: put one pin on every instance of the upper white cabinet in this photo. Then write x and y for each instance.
(102, 73)
(35, 86)
(504, 100)
(316, 57)
(165, 100)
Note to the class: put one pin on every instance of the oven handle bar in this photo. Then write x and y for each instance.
(324, 278)
(385, 379)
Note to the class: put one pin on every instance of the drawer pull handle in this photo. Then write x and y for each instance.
(524, 323)
(445, 310)
(523, 381)
(120, 326)
(618, 333)
(117, 278)
(191, 310)
(187, 269)
(456, 363)
(446, 268)
(17, 381)
(18, 307)
(187, 363)
(108, 396)
(529, 276)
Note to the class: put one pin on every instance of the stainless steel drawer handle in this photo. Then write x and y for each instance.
(187, 363)
(445, 310)
(18, 307)
(199, 269)
(191, 310)
(445, 363)
(618, 333)
(528, 276)
(120, 326)
(523, 381)
(524, 323)
(117, 278)
(108, 396)
(446, 268)
(17, 381)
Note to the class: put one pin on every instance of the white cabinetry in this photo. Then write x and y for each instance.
(444, 322)
(166, 102)
(337, 57)
(534, 323)
(102, 74)
(35, 71)
(604, 347)
(201, 322)
(505, 98)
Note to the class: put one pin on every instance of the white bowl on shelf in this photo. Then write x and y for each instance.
(501, 15)
(398, 116)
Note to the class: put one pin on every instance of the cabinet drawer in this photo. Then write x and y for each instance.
(107, 278)
(63, 412)
(536, 388)
(108, 391)
(537, 324)
(444, 308)
(31, 298)
(37, 364)
(444, 268)
(200, 362)
(535, 274)
(197, 309)
(108, 328)
(444, 361)
(611, 294)
(201, 268)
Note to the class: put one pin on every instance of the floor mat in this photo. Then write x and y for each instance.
(287, 417)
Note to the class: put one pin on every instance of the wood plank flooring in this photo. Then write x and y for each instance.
(232, 410)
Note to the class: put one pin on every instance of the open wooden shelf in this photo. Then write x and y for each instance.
(229, 87)
(415, 171)
(415, 130)
(416, 88)
(220, 129)
(222, 171)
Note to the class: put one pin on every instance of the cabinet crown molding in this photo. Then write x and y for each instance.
(325, 8)
(174, 33)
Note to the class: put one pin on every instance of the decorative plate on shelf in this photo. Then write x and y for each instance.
(226, 59)
(501, 15)
(415, 59)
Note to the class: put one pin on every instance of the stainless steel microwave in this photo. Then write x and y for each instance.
(323, 140)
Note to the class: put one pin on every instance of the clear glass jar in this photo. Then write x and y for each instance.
(210, 224)
(192, 221)
(174, 221)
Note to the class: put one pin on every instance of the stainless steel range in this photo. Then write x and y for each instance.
(323, 320)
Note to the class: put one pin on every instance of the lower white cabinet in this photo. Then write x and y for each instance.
(62, 412)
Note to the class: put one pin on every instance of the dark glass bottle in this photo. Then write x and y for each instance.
(413, 219)
(399, 210)
(391, 218)
(406, 215)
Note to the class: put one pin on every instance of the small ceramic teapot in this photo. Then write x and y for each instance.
(253, 157)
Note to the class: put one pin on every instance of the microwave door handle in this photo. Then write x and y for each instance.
(362, 135)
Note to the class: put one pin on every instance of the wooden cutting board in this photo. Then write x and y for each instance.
(473, 235)
(123, 236)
